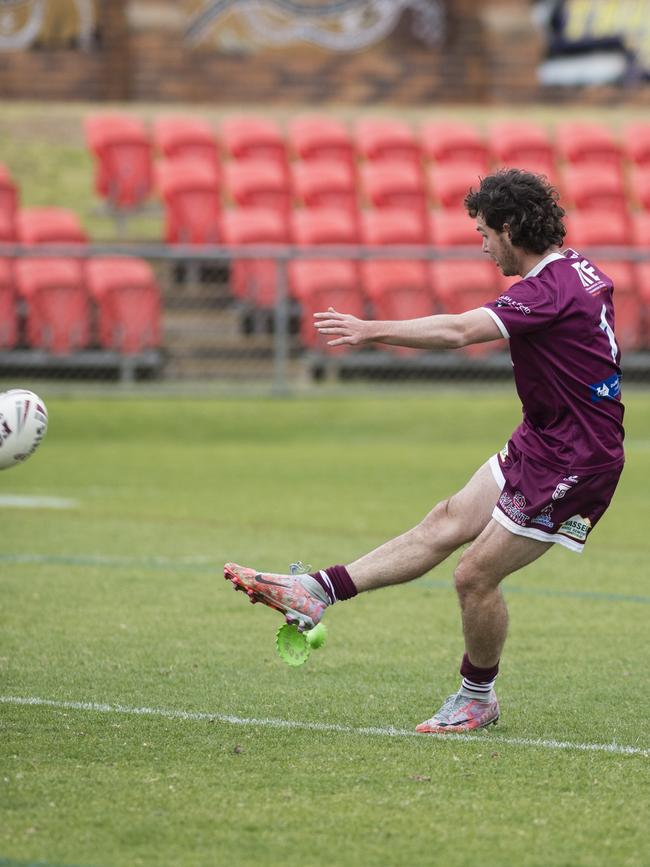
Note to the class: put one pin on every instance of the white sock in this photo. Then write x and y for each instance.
(477, 691)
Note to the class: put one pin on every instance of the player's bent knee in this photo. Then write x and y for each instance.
(442, 525)
(469, 578)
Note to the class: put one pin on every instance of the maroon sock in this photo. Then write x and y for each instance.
(336, 582)
(475, 674)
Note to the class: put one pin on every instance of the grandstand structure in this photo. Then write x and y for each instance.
(292, 218)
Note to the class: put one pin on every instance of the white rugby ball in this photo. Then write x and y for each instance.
(23, 424)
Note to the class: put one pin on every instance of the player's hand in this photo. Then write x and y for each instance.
(350, 330)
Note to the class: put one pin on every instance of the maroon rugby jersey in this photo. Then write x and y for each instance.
(560, 321)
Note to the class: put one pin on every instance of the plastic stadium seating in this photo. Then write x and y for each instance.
(324, 226)
(640, 185)
(190, 193)
(392, 226)
(524, 145)
(319, 138)
(7, 229)
(453, 228)
(583, 142)
(8, 194)
(447, 142)
(398, 290)
(246, 138)
(394, 185)
(627, 303)
(450, 184)
(596, 228)
(640, 229)
(593, 187)
(49, 226)
(380, 139)
(187, 138)
(254, 280)
(318, 285)
(636, 142)
(463, 285)
(325, 183)
(258, 183)
(123, 155)
(128, 303)
(57, 303)
(8, 313)
(643, 286)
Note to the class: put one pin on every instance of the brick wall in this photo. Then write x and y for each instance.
(489, 55)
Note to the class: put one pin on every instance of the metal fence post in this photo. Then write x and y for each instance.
(281, 329)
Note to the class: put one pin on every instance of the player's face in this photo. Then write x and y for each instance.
(498, 246)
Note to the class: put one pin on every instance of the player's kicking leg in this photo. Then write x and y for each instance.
(303, 599)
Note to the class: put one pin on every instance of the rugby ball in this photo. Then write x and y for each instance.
(23, 424)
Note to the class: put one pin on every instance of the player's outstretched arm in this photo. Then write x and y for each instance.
(443, 331)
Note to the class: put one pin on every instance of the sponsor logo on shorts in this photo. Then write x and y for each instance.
(503, 454)
(606, 389)
(544, 518)
(512, 511)
(576, 527)
(565, 485)
(519, 500)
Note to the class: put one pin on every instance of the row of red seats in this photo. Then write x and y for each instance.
(124, 149)
(194, 197)
(69, 304)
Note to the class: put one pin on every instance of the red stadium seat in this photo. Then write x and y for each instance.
(324, 226)
(49, 226)
(628, 306)
(380, 139)
(398, 290)
(643, 284)
(191, 196)
(447, 142)
(453, 228)
(253, 138)
(128, 303)
(254, 280)
(392, 226)
(321, 138)
(640, 229)
(122, 151)
(8, 194)
(187, 138)
(522, 144)
(258, 183)
(327, 282)
(394, 185)
(7, 229)
(596, 228)
(640, 186)
(592, 187)
(465, 285)
(636, 142)
(583, 142)
(57, 303)
(319, 285)
(449, 184)
(324, 183)
(8, 312)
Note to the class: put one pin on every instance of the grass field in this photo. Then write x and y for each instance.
(196, 745)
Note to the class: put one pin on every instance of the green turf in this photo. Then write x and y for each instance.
(120, 601)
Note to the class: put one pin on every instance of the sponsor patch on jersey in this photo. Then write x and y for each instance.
(576, 527)
(606, 389)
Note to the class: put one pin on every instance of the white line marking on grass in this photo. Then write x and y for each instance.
(389, 731)
(16, 501)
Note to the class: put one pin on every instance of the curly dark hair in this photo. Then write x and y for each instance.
(526, 202)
